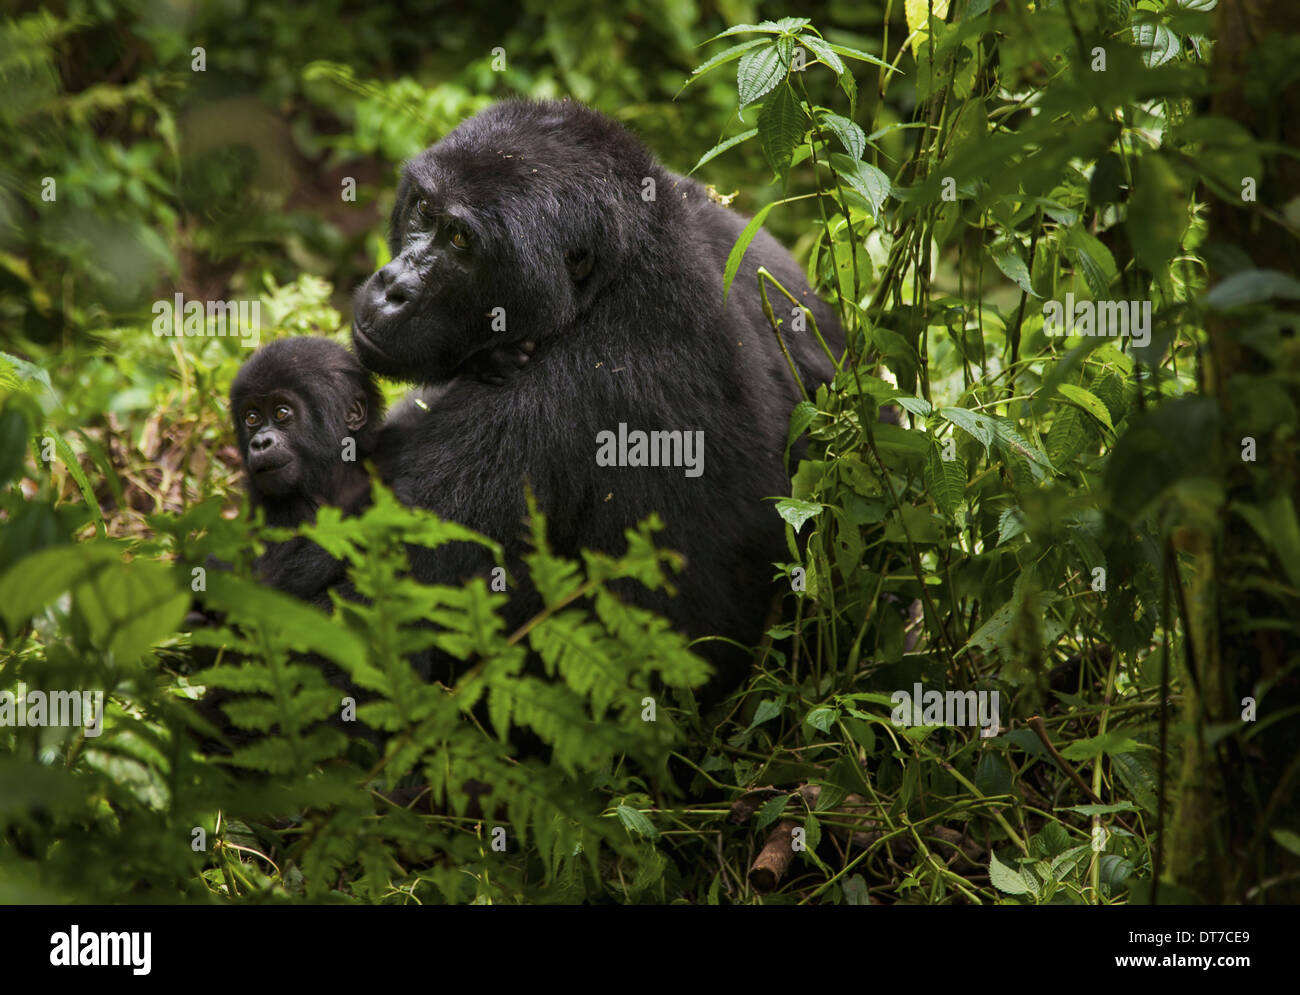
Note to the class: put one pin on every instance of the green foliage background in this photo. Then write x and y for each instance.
(1072, 518)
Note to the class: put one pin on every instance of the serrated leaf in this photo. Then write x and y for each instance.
(636, 821)
(1006, 879)
(971, 423)
(771, 810)
(871, 183)
(918, 406)
(1157, 42)
(759, 73)
(945, 481)
(852, 137)
(781, 126)
(1010, 524)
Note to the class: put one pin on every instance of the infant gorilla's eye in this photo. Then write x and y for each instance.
(422, 205)
(251, 418)
(282, 412)
(459, 239)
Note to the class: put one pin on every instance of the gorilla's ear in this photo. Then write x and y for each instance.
(579, 263)
(355, 417)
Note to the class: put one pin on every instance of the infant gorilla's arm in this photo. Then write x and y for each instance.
(306, 416)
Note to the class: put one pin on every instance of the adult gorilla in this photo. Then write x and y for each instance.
(537, 224)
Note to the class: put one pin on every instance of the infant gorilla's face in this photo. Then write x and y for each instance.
(295, 403)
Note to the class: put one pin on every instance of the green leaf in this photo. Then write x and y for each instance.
(822, 718)
(767, 709)
(861, 56)
(1086, 400)
(737, 254)
(735, 52)
(796, 512)
(721, 147)
(36, 580)
(1010, 524)
(13, 444)
(850, 135)
(918, 406)
(871, 183)
(636, 821)
(1007, 258)
(781, 126)
(759, 72)
(970, 422)
(1007, 880)
(1107, 744)
(945, 480)
(772, 810)
(1252, 286)
(1157, 42)
(1092, 259)
(1157, 213)
(993, 776)
(1286, 839)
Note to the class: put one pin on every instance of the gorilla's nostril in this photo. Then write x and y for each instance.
(397, 293)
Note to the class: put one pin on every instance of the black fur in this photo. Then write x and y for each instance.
(297, 464)
(537, 208)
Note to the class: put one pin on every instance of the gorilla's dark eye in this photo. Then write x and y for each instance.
(251, 418)
(282, 412)
(422, 205)
(459, 238)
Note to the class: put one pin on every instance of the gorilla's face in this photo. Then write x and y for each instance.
(502, 232)
(294, 402)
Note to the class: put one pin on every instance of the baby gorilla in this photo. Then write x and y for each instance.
(307, 415)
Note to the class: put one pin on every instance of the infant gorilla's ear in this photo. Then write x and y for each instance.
(498, 364)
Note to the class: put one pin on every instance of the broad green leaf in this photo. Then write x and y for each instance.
(970, 422)
(36, 580)
(945, 481)
(822, 718)
(918, 18)
(781, 126)
(758, 73)
(850, 135)
(1157, 42)
(863, 177)
(1107, 744)
(636, 821)
(1006, 879)
(1007, 258)
(1086, 400)
(796, 512)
